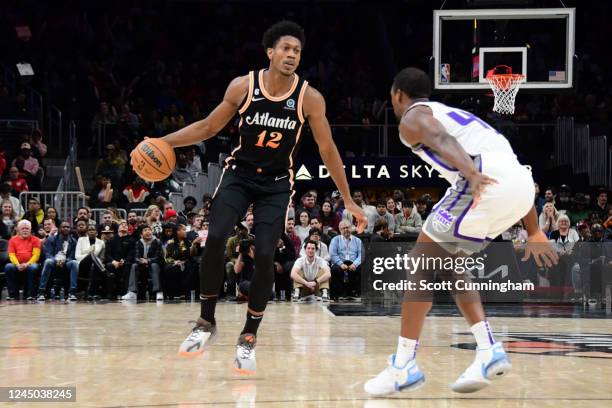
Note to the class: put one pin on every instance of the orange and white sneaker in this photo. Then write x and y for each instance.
(203, 333)
(245, 362)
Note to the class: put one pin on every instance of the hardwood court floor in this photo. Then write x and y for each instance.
(126, 355)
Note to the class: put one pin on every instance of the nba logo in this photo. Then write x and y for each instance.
(444, 73)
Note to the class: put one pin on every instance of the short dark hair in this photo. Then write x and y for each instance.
(190, 198)
(413, 82)
(280, 29)
(407, 203)
(310, 241)
(314, 231)
(381, 201)
(380, 225)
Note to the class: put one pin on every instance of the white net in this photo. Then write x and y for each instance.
(505, 87)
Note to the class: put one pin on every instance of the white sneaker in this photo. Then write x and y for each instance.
(324, 295)
(159, 296)
(489, 364)
(202, 333)
(129, 296)
(395, 379)
(245, 362)
(296, 295)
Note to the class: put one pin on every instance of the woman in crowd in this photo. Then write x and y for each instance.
(548, 219)
(51, 213)
(9, 217)
(152, 218)
(329, 218)
(302, 227)
(392, 207)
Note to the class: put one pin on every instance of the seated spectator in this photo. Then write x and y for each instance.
(409, 220)
(39, 149)
(127, 123)
(245, 267)
(89, 254)
(549, 196)
(423, 206)
(193, 160)
(380, 214)
(564, 237)
(80, 229)
(136, 193)
(303, 228)
(51, 213)
(359, 200)
(329, 218)
(398, 196)
(310, 275)
(9, 219)
(548, 219)
(132, 220)
(179, 267)
(118, 258)
(284, 257)
(309, 204)
(249, 221)
(35, 214)
(107, 115)
(106, 221)
(563, 201)
(103, 195)
(111, 165)
(295, 239)
(170, 216)
(316, 223)
(31, 167)
(173, 120)
(232, 250)
(322, 251)
(59, 251)
(182, 173)
(24, 251)
(601, 205)
(152, 218)
(18, 183)
(345, 251)
(5, 194)
(380, 232)
(189, 204)
(149, 260)
(392, 207)
(168, 232)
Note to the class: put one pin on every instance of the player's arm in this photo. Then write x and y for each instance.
(314, 110)
(419, 126)
(212, 124)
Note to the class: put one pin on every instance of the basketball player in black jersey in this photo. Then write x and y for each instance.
(273, 105)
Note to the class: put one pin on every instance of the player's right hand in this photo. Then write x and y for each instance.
(478, 184)
(542, 251)
(358, 213)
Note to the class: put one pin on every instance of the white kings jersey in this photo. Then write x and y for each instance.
(473, 134)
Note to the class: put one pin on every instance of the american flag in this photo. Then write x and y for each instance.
(556, 75)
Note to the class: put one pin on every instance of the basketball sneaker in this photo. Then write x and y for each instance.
(296, 295)
(201, 334)
(489, 364)
(324, 295)
(395, 379)
(245, 362)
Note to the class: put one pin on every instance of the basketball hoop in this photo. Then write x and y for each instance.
(505, 87)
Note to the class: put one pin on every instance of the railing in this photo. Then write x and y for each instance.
(12, 130)
(54, 128)
(68, 181)
(65, 202)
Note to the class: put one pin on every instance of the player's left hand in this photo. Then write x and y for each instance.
(542, 251)
(358, 213)
(478, 184)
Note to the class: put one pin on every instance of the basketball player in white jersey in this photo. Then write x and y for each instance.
(490, 191)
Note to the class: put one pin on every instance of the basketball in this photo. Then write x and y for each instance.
(153, 159)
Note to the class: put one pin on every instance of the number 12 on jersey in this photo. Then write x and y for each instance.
(273, 143)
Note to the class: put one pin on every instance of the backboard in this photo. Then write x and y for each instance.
(538, 43)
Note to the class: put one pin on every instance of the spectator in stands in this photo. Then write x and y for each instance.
(111, 165)
(369, 210)
(193, 160)
(538, 200)
(423, 206)
(303, 229)
(284, 257)
(309, 204)
(168, 233)
(80, 229)
(392, 207)
(132, 220)
(310, 275)
(345, 251)
(106, 221)
(322, 250)
(5, 194)
(170, 216)
(103, 194)
(173, 120)
(35, 214)
(563, 201)
(548, 218)
(119, 258)
(182, 172)
(136, 193)
(59, 251)
(107, 115)
(329, 219)
(39, 149)
(31, 166)
(380, 214)
(564, 237)
(549, 196)
(89, 254)
(381, 232)
(9, 217)
(601, 205)
(149, 260)
(49, 227)
(127, 122)
(83, 213)
(245, 267)
(409, 220)
(189, 204)
(579, 211)
(178, 267)
(584, 231)
(249, 221)
(316, 223)
(18, 183)
(152, 218)
(51, 213)
(608, 223)
(293, 236)
(24, 251)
